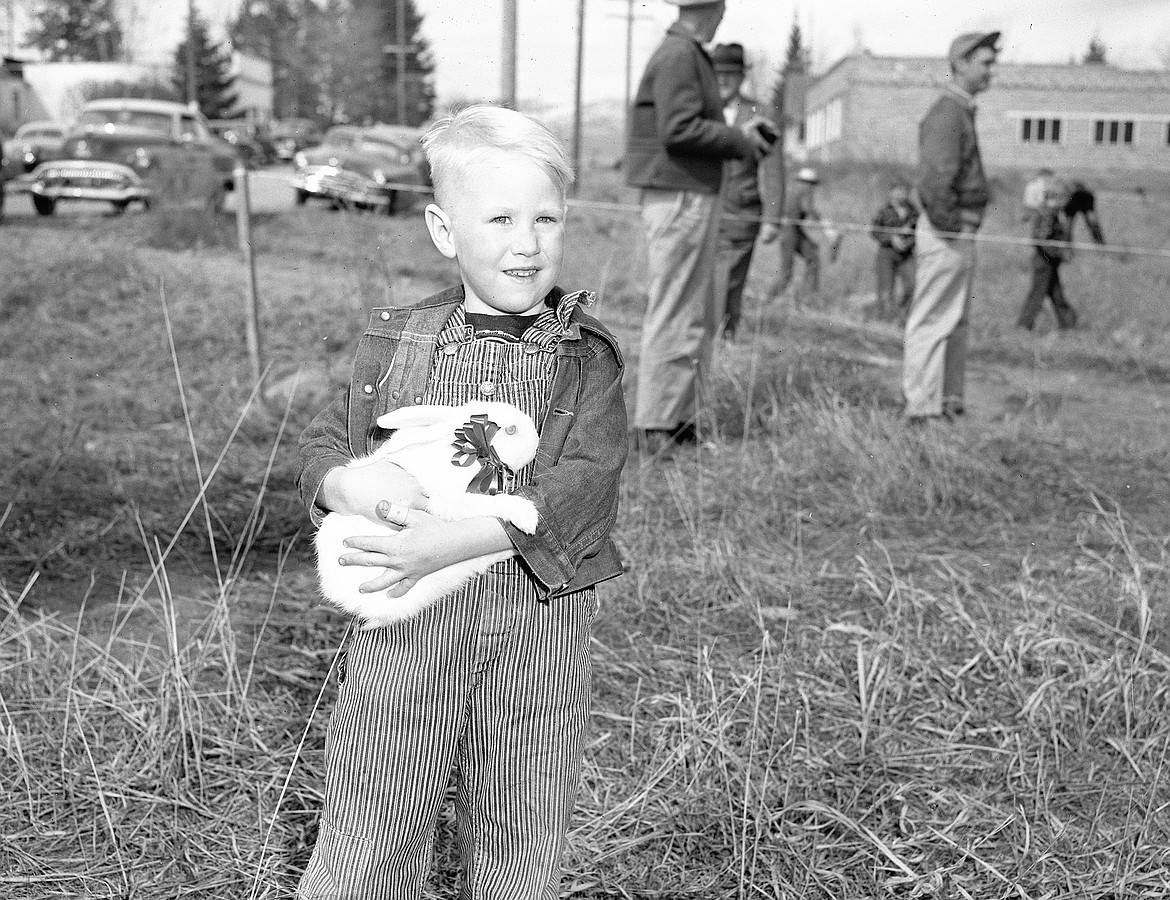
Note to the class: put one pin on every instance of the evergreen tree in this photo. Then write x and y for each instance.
(76, 31)
(798, 57)
(1095, 55)
(333, 59)
(791, 81)
(284, 32)
(213, 76)
(378, 99)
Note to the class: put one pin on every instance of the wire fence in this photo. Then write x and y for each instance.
(827, 226)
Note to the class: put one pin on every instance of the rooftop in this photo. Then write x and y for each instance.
(915, 71)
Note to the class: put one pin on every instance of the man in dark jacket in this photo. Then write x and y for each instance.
(952, 194)
(750, 190)
(893, 229)
(677, 143)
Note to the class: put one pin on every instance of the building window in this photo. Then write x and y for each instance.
(1040, 131)
(825, 125)
(1113, 131)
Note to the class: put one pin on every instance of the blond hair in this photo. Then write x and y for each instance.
(455, 141)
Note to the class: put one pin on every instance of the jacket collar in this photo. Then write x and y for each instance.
(550, 328)
(967, 100)
(680, 30)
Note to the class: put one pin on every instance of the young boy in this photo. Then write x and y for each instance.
(1051, 224)
(893, 229)
(493, 681)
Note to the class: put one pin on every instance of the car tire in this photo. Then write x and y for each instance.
(302, 196)
(45, 206)
(392, 203)
(120, 206)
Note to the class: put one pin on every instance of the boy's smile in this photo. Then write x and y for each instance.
(505, 226)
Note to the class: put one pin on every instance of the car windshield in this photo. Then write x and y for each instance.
(385, 143)
(114, 119)
(39, 133)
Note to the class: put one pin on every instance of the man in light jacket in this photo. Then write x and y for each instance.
(952, 193)
(678, 141)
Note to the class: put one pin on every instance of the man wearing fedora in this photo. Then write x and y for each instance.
(750, 190)
(952, 192)
(677, 143)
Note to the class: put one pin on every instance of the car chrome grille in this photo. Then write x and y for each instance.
(90, 176)
(339, 179)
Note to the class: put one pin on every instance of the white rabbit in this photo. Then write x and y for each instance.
(446, 448)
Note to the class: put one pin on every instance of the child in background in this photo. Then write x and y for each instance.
(493, 681)
(1051, 224)
(893, 229)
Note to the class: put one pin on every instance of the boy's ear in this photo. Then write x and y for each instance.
(439, 225)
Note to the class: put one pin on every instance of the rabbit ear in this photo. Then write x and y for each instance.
(414, 417)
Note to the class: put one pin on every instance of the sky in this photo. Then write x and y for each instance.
(465, 35)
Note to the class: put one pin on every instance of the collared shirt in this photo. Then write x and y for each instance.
(731, 110)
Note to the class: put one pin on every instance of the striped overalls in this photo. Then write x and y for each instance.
(489, 681)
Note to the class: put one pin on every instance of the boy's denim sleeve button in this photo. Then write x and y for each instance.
(385, 316)
(394, 394)
(418, 400)
(367, 389)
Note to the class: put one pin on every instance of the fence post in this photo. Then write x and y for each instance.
(244, 232)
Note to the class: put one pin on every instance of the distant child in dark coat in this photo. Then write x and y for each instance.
(893, 229)
(1051, 224)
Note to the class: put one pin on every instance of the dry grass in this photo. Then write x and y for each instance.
(850, 660)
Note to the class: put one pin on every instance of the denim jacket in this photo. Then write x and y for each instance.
(579, 458)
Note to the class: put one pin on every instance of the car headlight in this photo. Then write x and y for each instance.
(142, 158)
(300, 160)
(379, 176)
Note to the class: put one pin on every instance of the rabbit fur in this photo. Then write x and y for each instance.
(422, 443)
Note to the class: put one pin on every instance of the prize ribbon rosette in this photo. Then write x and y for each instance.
(473, 444)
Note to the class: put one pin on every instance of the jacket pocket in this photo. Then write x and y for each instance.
(554, 434)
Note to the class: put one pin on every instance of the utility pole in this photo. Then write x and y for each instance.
(508, 56)
(11, 27)
(400, 50)
(400, 36)
(630, 16)
(192, 94)
(577, 93)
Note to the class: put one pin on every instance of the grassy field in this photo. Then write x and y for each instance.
(849, 660)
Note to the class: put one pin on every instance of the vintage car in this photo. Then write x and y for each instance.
(248, 139)
(33, 143)
(123, 150)
(364, 168)
(289, 136)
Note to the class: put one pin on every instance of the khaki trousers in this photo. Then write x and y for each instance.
(934, 358)
(683, 310)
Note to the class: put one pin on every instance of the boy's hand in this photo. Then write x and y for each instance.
(424, 544)
(356, 491)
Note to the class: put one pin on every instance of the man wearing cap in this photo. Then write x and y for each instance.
(952, 192)
(677, 142)
(750, 190)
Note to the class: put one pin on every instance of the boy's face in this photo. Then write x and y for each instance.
(505, 226)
